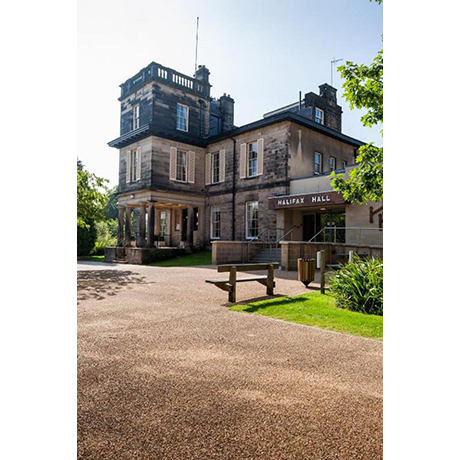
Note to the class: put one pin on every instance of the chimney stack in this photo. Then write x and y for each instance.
(226, 107)
(329, 93)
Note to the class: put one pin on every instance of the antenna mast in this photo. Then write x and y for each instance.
(334, 61)
(196, 45)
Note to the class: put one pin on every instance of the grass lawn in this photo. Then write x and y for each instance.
(315, 309)
(92, 258)
(190, 260)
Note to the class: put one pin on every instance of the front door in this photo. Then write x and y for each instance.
(309, 226)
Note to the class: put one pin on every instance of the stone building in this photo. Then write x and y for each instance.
(189, 177)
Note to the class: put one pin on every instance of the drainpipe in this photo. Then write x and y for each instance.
(234, 189)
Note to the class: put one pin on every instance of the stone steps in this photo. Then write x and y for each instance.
(120, 261)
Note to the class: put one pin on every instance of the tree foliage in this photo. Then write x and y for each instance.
(363, 89)
(111, 208)
(91, 197)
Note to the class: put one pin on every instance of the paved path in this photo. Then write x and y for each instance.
(166, 371)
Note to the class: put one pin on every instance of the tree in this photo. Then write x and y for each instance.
(364, 90)
(91, 197)
(111, 208)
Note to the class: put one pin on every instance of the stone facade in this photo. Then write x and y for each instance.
(172, 180)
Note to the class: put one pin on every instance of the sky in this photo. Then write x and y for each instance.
(261, 52)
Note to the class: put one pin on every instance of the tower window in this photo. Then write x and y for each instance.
(136, 117)
(182, 117)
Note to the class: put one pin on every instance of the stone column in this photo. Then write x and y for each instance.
(121, 224)
(190, 225)
(142, 225)
(151, 224)
(128, 225)
(201, 225)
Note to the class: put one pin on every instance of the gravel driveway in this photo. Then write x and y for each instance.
(166, 371)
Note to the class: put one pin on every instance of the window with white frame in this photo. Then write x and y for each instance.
(215, 168)
(136, 117)
(252, 219)
(318, 163)
(181, 166)
(252, 159)
(332, 163)
(182, 117)
(344, 164)
(133, 165)
(319, 116)
(215, 222)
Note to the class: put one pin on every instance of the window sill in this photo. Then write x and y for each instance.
(253, 177)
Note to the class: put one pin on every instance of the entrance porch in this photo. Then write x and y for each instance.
(151, 222)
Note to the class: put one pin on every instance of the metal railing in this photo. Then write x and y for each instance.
(287, 233)
(333, 231)
(268, 238)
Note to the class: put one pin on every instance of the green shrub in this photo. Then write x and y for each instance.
(106, 236)
(86, 238)
(358, 286)
(161, 255)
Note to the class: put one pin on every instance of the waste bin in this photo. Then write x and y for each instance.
(306, 270)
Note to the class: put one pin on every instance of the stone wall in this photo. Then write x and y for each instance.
(155, 161)
(358, 216)
(335, 252)
(226, 252)
(304, 142)
(271, 182)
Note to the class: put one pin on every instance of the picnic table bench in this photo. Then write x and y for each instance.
(229, 284)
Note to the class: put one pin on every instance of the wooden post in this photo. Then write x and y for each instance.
(232, 282)
(311, 270)
(270, 280)
(323, 270)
